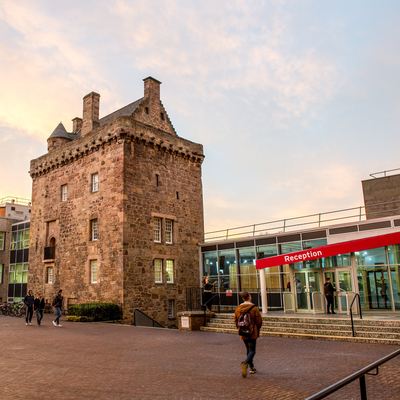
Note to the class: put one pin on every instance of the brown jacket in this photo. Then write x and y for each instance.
(254, 315)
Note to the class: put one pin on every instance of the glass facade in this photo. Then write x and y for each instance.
(373, 273)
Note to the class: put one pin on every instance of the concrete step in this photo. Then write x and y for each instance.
(320, 320)
(357, 339)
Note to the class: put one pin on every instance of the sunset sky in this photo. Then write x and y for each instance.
(295, 102)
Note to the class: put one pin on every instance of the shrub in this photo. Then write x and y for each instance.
(75, 318)
(96, 311)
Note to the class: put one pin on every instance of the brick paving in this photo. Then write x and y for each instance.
(104, 361)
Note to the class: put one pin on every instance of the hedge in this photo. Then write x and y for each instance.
(95, 311)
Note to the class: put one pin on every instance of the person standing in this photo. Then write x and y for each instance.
(39, 307)
(329, 290)
(250, 341)
(57, 304)
(29, 302)
(207, 292)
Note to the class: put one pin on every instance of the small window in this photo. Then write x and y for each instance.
(169, 267)
(50, 276)
(157, 180)
(162, 116)
(12, 208)
(158, 270)
(2, 240)
(64, 193)
(171, 308)
(177, 195)
(146, 110)
(95, 182)
(54, 143)
(168, 231)
(157, 230)
(93, 271)
(94, 229)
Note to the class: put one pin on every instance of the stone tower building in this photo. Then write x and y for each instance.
(117, 210)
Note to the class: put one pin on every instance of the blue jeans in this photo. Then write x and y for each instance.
(251, 350)
(39, 315)
(59, 314)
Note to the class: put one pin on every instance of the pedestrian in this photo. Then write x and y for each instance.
(29, 302)
(242, 312)
(207, 292)
(329, 290)
(57, 304)
(39, 307)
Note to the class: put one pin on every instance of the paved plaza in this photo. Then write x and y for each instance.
(105, 361)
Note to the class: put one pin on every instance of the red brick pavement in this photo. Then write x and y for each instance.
(101, 361)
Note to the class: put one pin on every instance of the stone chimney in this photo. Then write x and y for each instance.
(152, 94)
(76, 125)
(91, 108)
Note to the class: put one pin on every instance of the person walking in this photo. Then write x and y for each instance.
(57, 304)
(329, 290)
(39, 307)
(242, 312)
(29, 302)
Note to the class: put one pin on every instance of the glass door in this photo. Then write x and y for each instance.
(344, 285)
(307, 282)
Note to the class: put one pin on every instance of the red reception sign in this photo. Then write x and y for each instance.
(330, 250)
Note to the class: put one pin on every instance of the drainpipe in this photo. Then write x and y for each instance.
(263, 285)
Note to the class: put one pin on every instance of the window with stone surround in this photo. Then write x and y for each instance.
(2, 240)
(169, 267)
(158, 270)
(50, 275)
(93, 271)
(168, 231)
(171, 308)
(157, 230)
(94, 229)
(95, 182)
(64, 193)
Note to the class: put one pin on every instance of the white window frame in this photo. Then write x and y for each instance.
(157, 223)
(171, 308)
(50, 275)
(168, 231)
(94, 229)
(169, 269)
(95, 182)
(2, 240)
(64, 192)
(158, 270)
(93, 271)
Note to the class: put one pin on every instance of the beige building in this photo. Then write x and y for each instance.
(117, 210)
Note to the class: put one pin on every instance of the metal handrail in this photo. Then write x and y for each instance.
(204, 306)
(17, 200)
(283, 225)
(357, 375)
(351, 311)
(383, 172)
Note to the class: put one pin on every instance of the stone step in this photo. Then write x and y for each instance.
(315, 331)
(356, 339)
(216, 322)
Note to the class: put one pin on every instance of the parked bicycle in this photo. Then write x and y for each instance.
(5, 308)
(19, 309)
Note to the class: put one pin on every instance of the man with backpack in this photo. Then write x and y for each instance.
(248, 320)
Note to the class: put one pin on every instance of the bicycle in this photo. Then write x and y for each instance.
(19, 309)
(5, 308)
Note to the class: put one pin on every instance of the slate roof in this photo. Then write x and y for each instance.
(122, 112)
(60, 132)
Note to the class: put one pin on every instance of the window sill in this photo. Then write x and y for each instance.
(52, 260)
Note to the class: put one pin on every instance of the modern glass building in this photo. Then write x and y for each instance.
(297, 269)
(18, 267)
